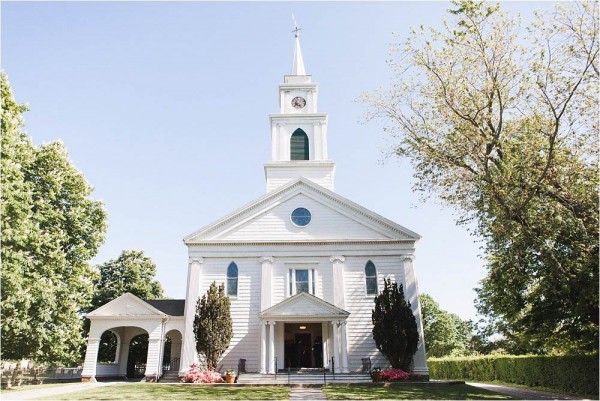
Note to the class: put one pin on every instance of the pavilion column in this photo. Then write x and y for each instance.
(154, 358)
(263, 347)
(91, 356)
(344, 352)
(336, 346)
(271, 347)
(123, 357)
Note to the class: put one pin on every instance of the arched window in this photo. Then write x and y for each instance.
(232, 279)
(299, 145)
(371, 278)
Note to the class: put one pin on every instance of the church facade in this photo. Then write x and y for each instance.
(301, 266)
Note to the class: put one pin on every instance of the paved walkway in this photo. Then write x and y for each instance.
(307, 393)
(523, 393)
(13, 395)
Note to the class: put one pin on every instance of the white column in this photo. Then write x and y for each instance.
(152, 372)
(325, 337)
(265, 279)
(336, 346)
(123, 357)
(338, 281)
(310, 281)
(411, 291)
(344, 352)
(263, 347)
(271, 347)
(188, 356)
(91, 356)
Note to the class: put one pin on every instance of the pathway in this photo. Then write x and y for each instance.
(307, 393)
(13, 395)
(523, 393)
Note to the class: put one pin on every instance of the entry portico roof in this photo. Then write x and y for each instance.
(303, 307)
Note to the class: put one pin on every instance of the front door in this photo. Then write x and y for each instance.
(303, 350)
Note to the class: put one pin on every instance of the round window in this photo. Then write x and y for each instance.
(301, 217)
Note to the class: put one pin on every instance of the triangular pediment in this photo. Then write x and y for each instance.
(303, 306)
(126, 305)
(333, 218)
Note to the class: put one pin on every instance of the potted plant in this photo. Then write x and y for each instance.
(376, 374)
(230, 375)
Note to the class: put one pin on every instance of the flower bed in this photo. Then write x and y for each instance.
(197, 375)
(393, 375)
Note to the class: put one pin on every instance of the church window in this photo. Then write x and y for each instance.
(371, 278)
(232, 279)
(299, 145)
(301, 217)
(302, 280)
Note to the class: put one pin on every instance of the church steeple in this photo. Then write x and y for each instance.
(298, 64)
(298, 131)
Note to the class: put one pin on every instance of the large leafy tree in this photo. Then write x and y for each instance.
(501, 123)
(445, 333)
(395, 327)
(131, 272)
(51, 228)
(213, 328)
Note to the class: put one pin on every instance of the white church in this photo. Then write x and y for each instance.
(301, 266)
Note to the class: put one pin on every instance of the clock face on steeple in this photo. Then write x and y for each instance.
(298, 102)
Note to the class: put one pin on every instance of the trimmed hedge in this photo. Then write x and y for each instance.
(571, 374)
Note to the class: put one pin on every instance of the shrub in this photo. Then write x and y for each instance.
(571, 374)
(197, 375)
(391, 375)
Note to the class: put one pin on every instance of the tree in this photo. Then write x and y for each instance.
(395, 327)
(445, 333)
(51, 228)
(501, 123)
(212, 325)
(131, 272)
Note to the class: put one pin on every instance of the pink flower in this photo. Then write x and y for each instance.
(391, 375)
(197, 375)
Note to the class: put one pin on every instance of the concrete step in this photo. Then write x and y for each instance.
(170, 376)
(255, 378)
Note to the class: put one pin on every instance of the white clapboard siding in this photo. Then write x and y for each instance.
(360, 306)
(244, 309)
(275, 224)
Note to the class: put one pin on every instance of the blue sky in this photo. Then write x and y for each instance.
(164, 107)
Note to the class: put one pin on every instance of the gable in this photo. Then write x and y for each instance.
(126, 305)
(333, 218)
(301, 306)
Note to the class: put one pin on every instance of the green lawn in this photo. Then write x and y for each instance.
(412, 392)
(152, 391)
(36, 386)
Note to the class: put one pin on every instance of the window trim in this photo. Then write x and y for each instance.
(299, 133)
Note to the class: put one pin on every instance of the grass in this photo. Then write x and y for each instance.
(152, 391)
(412, 392)
(27, 387)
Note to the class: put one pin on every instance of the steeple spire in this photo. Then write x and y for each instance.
(298, 64)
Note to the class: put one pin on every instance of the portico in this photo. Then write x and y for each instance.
(300, 311)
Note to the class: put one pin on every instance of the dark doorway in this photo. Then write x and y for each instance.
(303, 345)
(303, 350)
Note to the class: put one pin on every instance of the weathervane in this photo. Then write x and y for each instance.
(296, 30)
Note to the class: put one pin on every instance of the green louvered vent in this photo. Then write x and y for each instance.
(299, 145)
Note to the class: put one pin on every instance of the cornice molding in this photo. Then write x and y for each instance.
(301, 243)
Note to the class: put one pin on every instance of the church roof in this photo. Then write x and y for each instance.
(369, 225)
(172, 307)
